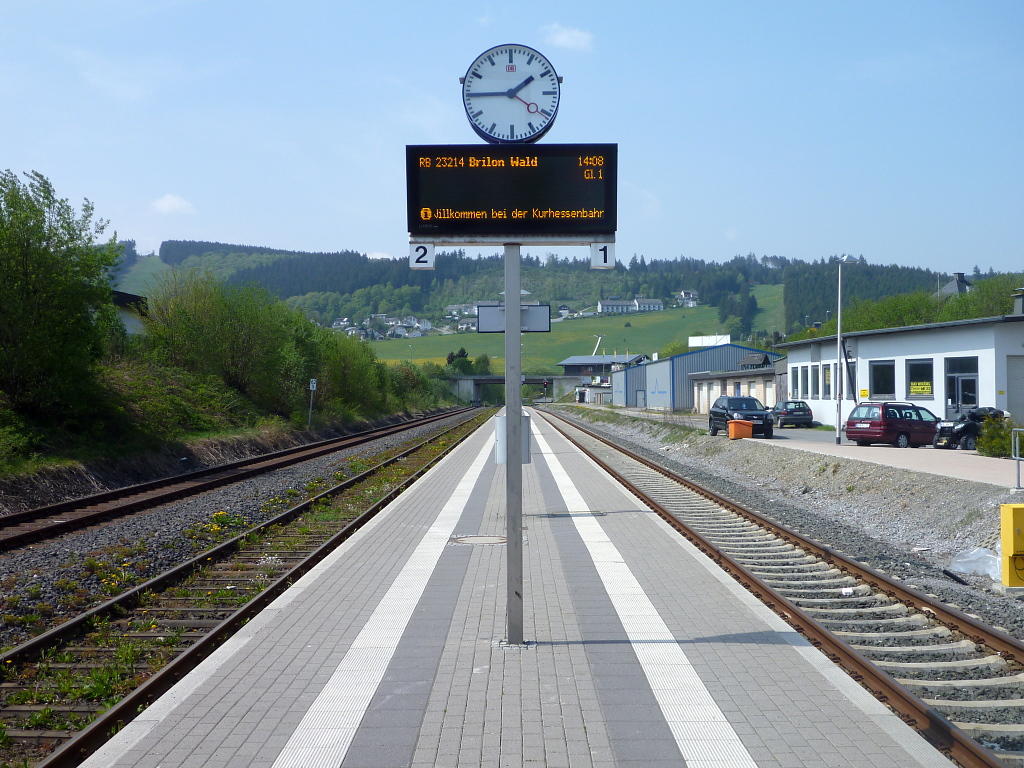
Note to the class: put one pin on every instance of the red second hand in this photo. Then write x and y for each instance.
(532, 108)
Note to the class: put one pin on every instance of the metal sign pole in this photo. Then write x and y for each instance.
(513, 446)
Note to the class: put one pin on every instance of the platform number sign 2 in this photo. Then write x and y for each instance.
(602, 255)
(421, 256)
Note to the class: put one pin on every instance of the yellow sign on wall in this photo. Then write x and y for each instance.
(863, 394)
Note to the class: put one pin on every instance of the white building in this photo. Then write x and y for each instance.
(946, 367)
(620, 307)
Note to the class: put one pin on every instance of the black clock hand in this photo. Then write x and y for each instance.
(512, 92)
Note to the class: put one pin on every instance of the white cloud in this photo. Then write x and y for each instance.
(567, 37)
(169, 205)
(378, 255)
(732, 234)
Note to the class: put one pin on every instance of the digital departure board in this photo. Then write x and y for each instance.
(507, 189)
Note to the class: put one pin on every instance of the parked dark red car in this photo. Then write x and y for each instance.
(904, 425)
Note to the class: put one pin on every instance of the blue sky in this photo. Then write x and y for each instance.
(800, 129)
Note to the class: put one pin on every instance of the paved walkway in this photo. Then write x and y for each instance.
(640, 652)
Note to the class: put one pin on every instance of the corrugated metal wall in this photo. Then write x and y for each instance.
(659, 384)
(636, 386)
(619, 388)
(725, 357)
(666, 383)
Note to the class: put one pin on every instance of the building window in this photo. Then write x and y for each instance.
(920, 381)
(794, 382)
(769, 401)
(814, 382)
(737, 386)
(752, 388)
(804, 389)
(826, 383)
(882, 379)
(961, 365)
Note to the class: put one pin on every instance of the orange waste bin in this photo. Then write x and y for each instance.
(739, 428)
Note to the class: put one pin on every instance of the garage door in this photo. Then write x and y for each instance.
(1015, 387)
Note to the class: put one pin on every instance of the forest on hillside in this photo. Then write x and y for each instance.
(326, 286)
(810, 290)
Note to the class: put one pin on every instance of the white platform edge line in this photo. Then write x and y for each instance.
(662, 662)
(393, 613)
(915, 744)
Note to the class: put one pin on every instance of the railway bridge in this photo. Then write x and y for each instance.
(468, 388)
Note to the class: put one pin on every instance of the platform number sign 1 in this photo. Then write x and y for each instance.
(421, 256)
(602, 255)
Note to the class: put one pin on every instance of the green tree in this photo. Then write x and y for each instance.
(55, 299)
(482, 364)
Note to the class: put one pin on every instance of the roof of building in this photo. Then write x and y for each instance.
(745, 373)
(761, 359)
(130, 301)
(908, 329)
(601, 359)
(957, 285)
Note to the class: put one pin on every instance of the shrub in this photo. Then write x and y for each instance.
(994, 439)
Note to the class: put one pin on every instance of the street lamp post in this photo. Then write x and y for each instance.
(840, 360)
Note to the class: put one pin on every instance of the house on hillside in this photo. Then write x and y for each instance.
(687, 298)
(621, 307)
(954, 287)
(647, 305)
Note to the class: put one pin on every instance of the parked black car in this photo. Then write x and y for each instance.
(725, 409)
(795, 412)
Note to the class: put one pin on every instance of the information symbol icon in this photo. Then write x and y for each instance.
(425, 214)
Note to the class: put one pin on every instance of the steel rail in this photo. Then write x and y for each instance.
(134, 498)
(78, 748)
(939, 731)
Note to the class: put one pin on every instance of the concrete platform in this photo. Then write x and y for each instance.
(639, 652)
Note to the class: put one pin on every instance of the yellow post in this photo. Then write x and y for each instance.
(1012, 536)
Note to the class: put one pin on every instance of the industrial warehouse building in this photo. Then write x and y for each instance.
(666, 384)
(946, 367)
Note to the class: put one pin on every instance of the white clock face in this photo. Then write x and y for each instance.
(511, 95)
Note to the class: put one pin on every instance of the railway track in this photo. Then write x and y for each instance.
(22, 528)
(946, 673)
(64, 693)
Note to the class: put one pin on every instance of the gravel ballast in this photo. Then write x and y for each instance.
(907, 524)
(41, 574)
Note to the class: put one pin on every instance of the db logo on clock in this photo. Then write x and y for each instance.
(510, 67)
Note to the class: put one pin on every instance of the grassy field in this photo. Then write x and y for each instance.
(142, 276)
(648, 332)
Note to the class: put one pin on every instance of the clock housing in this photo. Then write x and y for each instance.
(511, 94)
